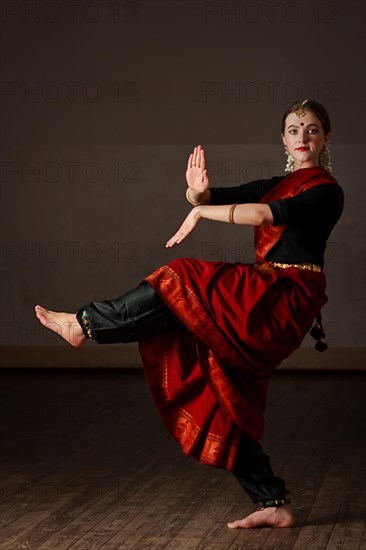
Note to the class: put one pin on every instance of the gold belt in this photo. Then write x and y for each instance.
(311, 267)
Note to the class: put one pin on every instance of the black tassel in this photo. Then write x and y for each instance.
(317, 332)
(321, 346)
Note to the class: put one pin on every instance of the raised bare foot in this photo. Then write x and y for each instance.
(64, 324)
(280, 516)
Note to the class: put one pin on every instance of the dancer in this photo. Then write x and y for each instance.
(211, 333)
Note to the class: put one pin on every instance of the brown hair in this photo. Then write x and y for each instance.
(319, 111)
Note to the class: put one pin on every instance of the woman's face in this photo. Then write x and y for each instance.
(304, 138)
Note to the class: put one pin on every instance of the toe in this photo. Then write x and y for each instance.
(232, 524)
(238, 524)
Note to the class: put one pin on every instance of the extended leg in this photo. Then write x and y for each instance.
(136, 315)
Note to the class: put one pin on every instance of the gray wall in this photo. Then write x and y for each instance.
(102, 103)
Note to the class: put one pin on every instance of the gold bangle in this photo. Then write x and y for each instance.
(231, 213)
(190, 201)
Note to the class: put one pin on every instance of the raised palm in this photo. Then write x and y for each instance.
(196, 174)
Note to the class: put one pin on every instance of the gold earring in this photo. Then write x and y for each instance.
(325, 160)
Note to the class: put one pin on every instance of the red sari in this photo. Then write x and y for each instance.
(209, 383)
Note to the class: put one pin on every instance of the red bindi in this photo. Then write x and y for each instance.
(301, 124)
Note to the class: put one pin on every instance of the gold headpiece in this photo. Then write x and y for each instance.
(301, 111)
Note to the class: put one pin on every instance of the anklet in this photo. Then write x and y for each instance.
(276, 502)
(86, 325)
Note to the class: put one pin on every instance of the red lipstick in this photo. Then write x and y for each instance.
(302, 148)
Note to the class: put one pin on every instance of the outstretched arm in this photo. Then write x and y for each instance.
(243, 214)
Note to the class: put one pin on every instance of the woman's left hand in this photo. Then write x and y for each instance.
(189, 224)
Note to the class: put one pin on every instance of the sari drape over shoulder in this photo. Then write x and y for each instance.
(209, 383)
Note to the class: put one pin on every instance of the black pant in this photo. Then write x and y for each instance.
(140, 314)
(253, 471)
(136, 315)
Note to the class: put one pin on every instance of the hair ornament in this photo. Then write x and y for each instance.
(301, 111)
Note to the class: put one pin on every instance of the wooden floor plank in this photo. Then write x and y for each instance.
(102, 520)
(347, 532)
(75, 485)
(171, 510)
(197, 524)
(138, 513)
(363, 540)
(325, 510)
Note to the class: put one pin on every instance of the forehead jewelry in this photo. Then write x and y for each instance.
(301, 111)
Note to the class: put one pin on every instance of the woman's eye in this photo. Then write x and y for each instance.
(313, 131)
(292, 132)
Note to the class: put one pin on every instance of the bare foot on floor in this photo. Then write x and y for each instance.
(64, 324)
(272, 516)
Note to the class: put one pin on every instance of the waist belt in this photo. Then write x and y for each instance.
(310, 267)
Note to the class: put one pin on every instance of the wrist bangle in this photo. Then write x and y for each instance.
(190, 200)
(231, 213)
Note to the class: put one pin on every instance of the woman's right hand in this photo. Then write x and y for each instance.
(196, 174)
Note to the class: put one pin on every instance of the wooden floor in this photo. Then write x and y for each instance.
(86, 464)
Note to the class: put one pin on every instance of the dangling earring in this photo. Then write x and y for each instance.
(290, 161)
(325, 160)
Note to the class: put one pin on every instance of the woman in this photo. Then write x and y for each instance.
(211, 333)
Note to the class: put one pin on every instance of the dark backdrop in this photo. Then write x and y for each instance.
(101, 104)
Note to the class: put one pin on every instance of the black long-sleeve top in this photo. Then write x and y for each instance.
(310, 217)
